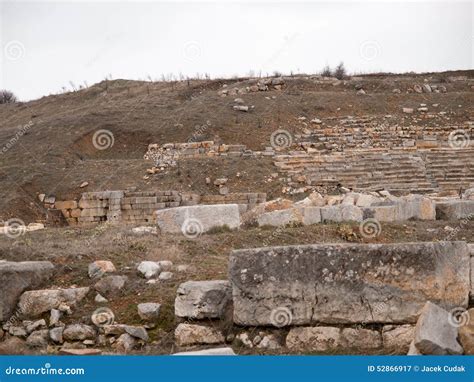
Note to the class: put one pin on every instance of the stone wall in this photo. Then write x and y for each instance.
(168, 154)
(347, 283)
(401, 170)
(139, 207)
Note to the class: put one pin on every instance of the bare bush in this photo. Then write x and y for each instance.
(326, 72)
(340, 71)
(6, 96)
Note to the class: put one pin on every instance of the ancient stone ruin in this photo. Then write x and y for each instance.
(358, 240)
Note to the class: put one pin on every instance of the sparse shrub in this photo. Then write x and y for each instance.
(219, 229)
(6, 96)
(340, 71)
(326, 72)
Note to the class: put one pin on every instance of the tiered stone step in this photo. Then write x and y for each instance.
(396, 170)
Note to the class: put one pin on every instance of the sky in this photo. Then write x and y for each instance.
(48, 46)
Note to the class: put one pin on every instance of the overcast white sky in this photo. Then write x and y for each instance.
(45, 45)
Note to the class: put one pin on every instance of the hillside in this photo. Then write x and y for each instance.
(55, 155)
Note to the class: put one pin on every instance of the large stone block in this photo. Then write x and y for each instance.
(466, 331)
(202, 299)
(300, 214)
(328, 339)
(15, 278)
(415, 207)
(436, 332)
(381, 213)
(277, 218)
(341, 213)
(36, 302)
(455, 210)
(192, 220)
(346, 283)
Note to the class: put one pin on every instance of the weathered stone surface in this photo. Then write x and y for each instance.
(189, 334)
(277, 218)
(100, 268)
(111, 286)
(365, 200)
(213, 351)
(56, 335)
(125, 343)
(149, 311)
(165, 276)
(149, 269)
(193, 220)
(405, 208)
(33, 303)
(361, 340)
(31, 326)
(435, 332)
(14, 345)
(397, 338)
(137, 332)
(415, 207)
(341, 213)
(455, 210)
(346, 283)
(15, 278)
(314, 339)
(466, 332)
(165, 265)
(412, 350)
(145, 230)
(269, 342)
(382, 213)
(469, 194)
(305, 215)
(38, 339)
(324, 339)
(202, 299)
(79, 332)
